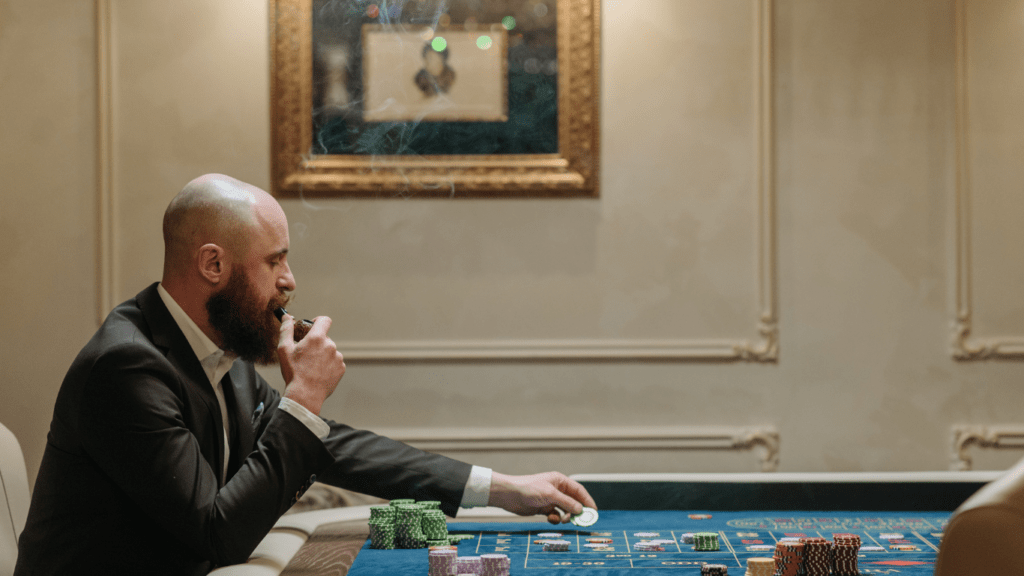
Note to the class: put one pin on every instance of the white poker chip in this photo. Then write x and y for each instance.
(549, 535)
(646, 534)
(872, 549)
(586, 518)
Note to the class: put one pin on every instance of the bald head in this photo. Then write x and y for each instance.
(212, 209)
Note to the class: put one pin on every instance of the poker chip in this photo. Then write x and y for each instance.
(494, 565)
(714, 570)
(760, 567)
(469, 565)
(646, 534)
(595, 545)
(844, 554)
(760, 548)
(549, 535)
(903, 547)
(872, 549)
(705, 541)
(645, 546)
(442, 563)
(599, 540)
(788, 558)
(556, 546)
(817, 556)
(588, 517)
(686, 538)
(890, 536)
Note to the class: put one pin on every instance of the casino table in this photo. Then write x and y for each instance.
(899, 517)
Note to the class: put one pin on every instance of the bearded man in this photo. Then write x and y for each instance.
(169, 454)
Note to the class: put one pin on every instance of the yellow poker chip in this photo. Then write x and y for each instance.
(599, 540)
(588, 517)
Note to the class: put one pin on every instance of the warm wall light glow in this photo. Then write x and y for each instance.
(484, 42)
(427, 34)
(372, 11)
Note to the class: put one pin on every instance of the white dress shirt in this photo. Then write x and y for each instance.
(217, 362)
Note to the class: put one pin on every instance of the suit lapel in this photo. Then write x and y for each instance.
(167, 335)
(238, 390)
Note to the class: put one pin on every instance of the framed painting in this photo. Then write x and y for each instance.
(434, 98)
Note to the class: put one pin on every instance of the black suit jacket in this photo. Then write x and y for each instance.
(130, 477)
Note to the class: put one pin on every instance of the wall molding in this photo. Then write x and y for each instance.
(965, 345)
(108, 231)
(540, 439)
(967, 436)
(763, 348)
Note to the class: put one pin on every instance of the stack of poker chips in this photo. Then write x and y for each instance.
(844, 554)
(434, 527)
(648, 546)
(442, 563)
(494, 565)
(788, 558)
(705, 541)
(556, 545)
(469, 565)
(686, 538)
(408, 530)
(382, 527)
(714, 570)
(760, 567)
(817, 556)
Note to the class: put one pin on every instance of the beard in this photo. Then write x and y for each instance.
(247, 327)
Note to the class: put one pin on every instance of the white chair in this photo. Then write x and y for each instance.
(14, 504)
(986, 533)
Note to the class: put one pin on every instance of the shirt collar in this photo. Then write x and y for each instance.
(216, 362)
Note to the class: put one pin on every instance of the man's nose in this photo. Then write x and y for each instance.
(286, 282)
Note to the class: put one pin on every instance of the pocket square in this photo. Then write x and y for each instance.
(256, 416)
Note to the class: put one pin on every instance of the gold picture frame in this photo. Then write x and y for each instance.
(569, 169)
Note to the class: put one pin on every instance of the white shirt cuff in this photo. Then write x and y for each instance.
(478, 488)
(312, 421)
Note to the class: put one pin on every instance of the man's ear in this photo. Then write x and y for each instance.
(213, 263)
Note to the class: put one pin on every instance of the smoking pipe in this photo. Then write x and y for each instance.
(302, 327)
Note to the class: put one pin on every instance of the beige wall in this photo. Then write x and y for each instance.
(867, 227)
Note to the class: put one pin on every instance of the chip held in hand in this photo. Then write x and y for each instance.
(586, 518)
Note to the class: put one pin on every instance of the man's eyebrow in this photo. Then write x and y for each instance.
(278, 254)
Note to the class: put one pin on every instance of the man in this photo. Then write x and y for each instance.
(436, 76)
(167, 456)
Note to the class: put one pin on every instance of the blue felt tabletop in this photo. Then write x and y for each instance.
(736, 532)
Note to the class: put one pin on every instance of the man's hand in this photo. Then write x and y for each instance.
(540, 494)
(311, 367)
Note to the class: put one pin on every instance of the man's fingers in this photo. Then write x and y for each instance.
(577, 492)
(285, 347)
(287, 334)
(321, 324)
